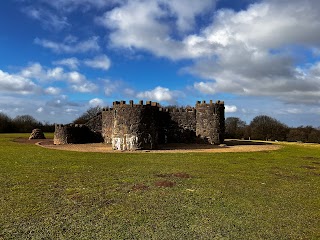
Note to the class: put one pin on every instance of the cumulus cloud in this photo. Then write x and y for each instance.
(136, 25)
(72, 63)
(70, 45)
(99, 62)
(80, 83)
(230, 108)
(250, 52)
(85, 87)
(16, 84)
(96, 102)
(159, 94)
(38, 72)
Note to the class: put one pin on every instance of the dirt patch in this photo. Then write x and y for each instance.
(243, 146)
(165, 183)
(139, 187)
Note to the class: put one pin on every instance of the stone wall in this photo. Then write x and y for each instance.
(135, 125)
(75, 134)
(144, 126)
(107, 124)
(177, 125)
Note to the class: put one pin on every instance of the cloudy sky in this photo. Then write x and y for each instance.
(60, 57)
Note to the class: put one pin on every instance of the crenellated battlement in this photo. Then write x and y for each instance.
(132, 104)
(210, 104)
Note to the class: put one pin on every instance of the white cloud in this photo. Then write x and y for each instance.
(247, 52)
(80, 83)
(72, 63)
(230, 108)
(85, 87)
(40, 110)
(16, 84)
(52, 90)
(100, 62)
(76, 77)
(67, 46)
(136, 25)
(251, 52)
(38, 72)
(96, 102)
(159, 94)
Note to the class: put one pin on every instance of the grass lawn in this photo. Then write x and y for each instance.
(51, 194)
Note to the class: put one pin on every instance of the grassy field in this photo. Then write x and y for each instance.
(51, 194)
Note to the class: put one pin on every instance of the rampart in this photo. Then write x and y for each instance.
(130, 126)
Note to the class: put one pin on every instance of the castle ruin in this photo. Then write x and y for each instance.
(146, 126)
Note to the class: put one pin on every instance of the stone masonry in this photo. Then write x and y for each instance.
(145, 126)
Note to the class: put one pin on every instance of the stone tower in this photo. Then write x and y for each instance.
(135, 126)
(210, 121)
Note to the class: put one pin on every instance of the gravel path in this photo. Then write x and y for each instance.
(231, 146)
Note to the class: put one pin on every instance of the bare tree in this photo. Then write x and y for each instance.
(268, 128)
(25, 123)
(235, 127)
(6, 125)
(86, 116)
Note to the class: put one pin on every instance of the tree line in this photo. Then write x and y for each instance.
(22, 124)
(264, 127)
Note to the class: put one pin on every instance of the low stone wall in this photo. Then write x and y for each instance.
(74, 133)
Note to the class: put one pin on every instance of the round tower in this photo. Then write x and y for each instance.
(210, 122)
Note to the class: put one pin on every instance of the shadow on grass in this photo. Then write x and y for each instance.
(236, 142)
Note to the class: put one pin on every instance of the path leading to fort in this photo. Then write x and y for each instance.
(230, 146)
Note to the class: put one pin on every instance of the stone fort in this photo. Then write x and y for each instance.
(146, 126)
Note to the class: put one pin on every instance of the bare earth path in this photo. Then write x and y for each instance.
(230, 146)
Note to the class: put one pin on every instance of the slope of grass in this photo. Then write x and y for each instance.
(50, 194)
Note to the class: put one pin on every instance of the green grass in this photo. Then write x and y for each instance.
(51, 194)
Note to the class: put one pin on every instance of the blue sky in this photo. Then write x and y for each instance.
(58, 58)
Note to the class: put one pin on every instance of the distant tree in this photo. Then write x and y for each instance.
(235, 128)
(265, 128)
(90, 113)
(304, 134)
(296, 135)
(6, 124)
(314, 136)
(47, 127)
(25, 123)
